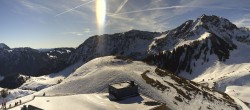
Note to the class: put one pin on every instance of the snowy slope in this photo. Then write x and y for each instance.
(16, 93)
(240, 92)
(177, 93)
(41, 82)
(234, 71)
(34, 84)
(89, 102)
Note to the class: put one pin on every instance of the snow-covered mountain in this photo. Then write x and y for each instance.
(210, 50)
(197, 40)
(28, 61)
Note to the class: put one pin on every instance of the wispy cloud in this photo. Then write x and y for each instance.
(73, 33)
(243, 22)
(35, 6)
(78, 33)
(74, 8)
(86, 30)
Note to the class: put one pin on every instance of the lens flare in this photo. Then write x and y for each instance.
(100, 15)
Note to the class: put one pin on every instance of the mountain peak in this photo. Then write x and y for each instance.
(209, 17)
(4, 46)
(216, 21)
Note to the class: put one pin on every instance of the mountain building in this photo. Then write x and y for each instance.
(123, 90)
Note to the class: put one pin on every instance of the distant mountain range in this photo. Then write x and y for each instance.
(28, 61)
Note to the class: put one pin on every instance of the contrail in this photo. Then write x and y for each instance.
(149, 9)
(172, 7)
(74, 8)
(121, 6)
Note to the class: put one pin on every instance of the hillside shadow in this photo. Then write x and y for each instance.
(128, 100)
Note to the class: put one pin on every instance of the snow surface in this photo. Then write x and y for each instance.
(190, 40)
(89, 102)
(244, 106)
(241, 92)
(121, 85)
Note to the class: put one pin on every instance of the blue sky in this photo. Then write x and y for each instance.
(67, 23)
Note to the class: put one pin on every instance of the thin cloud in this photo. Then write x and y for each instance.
(74, 8)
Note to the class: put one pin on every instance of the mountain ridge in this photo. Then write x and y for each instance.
(4, 46)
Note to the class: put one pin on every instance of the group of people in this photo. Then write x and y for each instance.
(4, 104)
(16, 103)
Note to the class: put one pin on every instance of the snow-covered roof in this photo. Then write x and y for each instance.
(121, 85)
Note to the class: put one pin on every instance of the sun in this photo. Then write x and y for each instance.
(100, 15)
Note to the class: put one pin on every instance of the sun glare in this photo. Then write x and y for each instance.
(100, 15)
